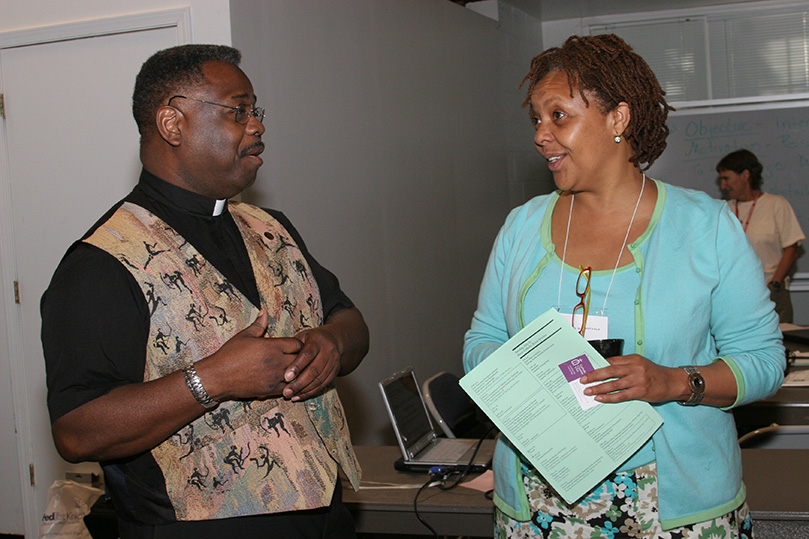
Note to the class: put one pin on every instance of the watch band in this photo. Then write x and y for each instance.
(197, 389)
(696, 383)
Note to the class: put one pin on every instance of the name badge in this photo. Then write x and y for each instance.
(575, 369)
(597, 326)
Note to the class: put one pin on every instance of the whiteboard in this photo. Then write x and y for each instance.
(778, 137)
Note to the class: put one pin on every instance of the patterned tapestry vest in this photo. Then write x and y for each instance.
(243, 457)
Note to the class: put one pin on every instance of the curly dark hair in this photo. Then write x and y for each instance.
(742, 160)
(172, 71)
(607, 68)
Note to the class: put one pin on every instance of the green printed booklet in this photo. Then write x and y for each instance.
(530, 389)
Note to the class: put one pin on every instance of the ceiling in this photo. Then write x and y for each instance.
(551, 10)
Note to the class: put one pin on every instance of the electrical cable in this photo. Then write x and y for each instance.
(442, 473)
(416, 505)
(469, 464)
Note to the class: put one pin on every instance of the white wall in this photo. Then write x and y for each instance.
(210, 18)
(389, 143)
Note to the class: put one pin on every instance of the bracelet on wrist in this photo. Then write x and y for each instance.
(197, 389)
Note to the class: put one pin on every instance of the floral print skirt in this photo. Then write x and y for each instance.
(625, 505)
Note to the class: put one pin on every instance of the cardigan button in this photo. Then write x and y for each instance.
(312, 406)
(640, 342)
(637, 302)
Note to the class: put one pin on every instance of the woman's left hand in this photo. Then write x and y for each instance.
(632, 377)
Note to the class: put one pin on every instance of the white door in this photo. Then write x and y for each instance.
(71, 151)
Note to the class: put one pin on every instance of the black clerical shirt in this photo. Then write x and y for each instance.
(95, 320)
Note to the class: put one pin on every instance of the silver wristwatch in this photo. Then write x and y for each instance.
(197, 389)
(696, 383)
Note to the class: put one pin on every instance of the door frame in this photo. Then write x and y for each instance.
(180, 19)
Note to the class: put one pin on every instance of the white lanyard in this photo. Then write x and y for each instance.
(626, 237)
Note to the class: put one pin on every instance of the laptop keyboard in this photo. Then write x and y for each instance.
(448, 450)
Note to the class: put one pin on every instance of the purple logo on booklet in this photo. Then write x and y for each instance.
(576, 368)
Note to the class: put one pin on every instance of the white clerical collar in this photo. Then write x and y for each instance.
(219, 207)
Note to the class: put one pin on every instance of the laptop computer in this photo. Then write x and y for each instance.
(420, 445)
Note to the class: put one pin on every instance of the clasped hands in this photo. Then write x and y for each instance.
(251, 365)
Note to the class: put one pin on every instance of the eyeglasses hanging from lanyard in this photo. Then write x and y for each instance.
(584, 298)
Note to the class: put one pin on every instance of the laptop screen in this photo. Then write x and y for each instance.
(406, 407)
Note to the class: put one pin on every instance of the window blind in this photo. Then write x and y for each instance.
(753, 54)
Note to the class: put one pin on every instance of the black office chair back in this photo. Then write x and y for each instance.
(456, 414)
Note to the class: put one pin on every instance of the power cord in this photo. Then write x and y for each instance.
(416, 504)
(439, 476)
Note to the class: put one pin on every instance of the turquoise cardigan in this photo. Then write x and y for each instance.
(701, 298)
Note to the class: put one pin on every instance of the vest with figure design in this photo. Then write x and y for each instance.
(243, 457)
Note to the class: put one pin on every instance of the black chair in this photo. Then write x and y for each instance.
(452, 409)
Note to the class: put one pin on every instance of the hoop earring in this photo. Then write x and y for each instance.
(617, 138)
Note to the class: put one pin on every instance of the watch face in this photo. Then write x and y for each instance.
(696, 384)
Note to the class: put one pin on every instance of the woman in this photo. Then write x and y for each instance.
(671, 274)
(768, 220)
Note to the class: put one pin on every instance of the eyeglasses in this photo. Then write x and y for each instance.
(242, 115)
(584, 298)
